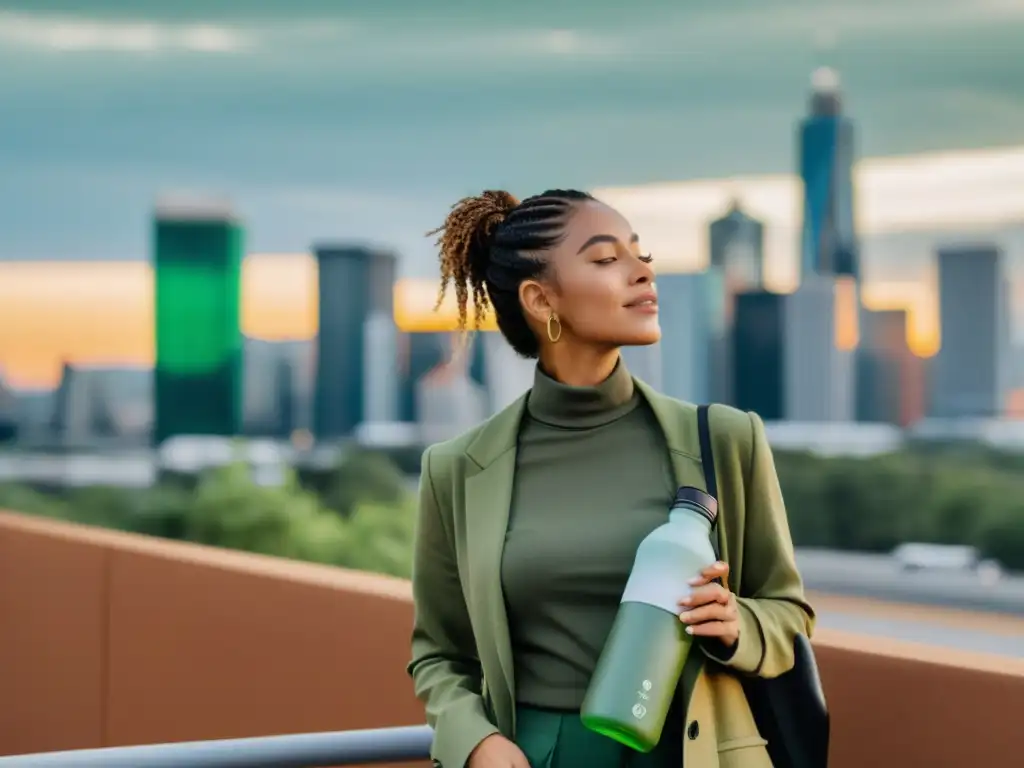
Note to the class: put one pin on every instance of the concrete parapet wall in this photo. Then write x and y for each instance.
(112, 639)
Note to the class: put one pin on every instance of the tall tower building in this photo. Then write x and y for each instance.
(357, 349)
(971, 371)
(826, 151)
(737, 249)
(198, 262)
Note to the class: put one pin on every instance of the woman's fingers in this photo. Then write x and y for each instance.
(706, 593)
(710, 629)
(714, 571)
(709, 611)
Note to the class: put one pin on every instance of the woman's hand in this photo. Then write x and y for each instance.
(710, 609)
(496, 751)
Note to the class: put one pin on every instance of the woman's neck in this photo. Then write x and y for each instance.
(578, 367)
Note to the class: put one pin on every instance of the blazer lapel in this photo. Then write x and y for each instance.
(678, 421)
(488, 500)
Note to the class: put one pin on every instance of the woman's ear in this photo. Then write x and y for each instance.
(534, 299)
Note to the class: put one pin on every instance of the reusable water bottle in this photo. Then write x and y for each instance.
(637, 673)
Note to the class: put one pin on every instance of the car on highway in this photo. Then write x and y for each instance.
(917, 556)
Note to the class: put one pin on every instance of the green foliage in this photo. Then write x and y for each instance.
(360, 514)
(226, 508)
(364, 477)
(952, 496)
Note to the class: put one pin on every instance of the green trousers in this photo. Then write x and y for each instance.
(558, 739)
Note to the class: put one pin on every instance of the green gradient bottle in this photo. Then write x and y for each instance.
(636, 676)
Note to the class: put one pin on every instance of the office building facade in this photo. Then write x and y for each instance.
(278, 386)
(971, 372)
(198, 378)
(508, 375)
(890, 377)
(645, 363)
(694, 342)
(419, 353)
(819, 373)
(736, 242)
(356, 303)
(758, 369)
(787, 363)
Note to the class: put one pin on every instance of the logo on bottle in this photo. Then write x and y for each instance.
(639, 710)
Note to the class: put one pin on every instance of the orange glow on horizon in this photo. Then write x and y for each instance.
(414, 309)
(847, 311)
(922, 306)
(101, 313)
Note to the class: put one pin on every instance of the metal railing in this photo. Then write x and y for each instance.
(305, 750)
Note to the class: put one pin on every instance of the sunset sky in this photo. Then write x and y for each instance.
(101, 313)
(342, 121)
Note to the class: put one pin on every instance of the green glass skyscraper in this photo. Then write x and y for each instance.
(198, 377)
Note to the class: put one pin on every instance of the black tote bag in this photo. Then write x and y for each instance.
(790, 710)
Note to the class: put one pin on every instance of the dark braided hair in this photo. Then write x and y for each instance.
(491, 243)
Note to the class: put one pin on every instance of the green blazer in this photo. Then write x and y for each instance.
(461, 653)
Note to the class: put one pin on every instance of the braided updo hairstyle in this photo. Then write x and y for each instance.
(491, 243)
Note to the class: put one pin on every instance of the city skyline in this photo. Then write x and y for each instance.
(101, 312)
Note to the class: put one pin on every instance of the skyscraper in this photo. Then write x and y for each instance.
(737, 249)
(819, 362)
(691, 309)
(198, 261)
(419, 353)
(356, 287)
(890, 377)
(826, 151)
(644, 362)
(508, 375)
(789, 362)
(8, 412)
(971, 371)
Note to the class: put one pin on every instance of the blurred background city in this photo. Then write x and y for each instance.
(217, 300)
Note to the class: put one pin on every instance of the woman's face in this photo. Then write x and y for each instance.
(601, 284)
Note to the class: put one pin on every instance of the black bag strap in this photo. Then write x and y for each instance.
(707, 462)
(707, 458)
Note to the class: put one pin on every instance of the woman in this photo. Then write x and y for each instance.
(528, 523)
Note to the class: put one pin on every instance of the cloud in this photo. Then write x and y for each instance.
(378, 45)
(826, 23)
(78, 34)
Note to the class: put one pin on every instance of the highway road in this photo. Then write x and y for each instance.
(976, 632)
(879, 577)
(869, 594)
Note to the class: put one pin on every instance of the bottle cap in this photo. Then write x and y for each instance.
(704, 503)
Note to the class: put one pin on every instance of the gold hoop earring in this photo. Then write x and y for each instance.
(552, 336)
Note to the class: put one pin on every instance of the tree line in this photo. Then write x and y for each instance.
(361, 512)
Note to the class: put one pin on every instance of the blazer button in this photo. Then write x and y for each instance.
(693, 731)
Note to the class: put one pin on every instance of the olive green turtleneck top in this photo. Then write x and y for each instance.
(593, 478)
